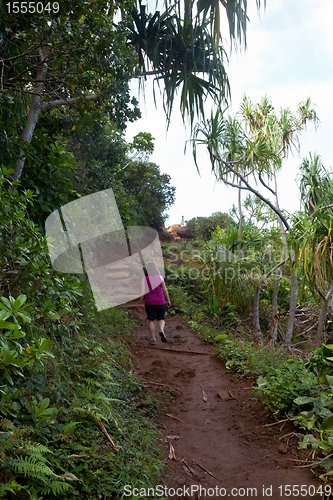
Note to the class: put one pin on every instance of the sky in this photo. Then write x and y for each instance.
(288, 58)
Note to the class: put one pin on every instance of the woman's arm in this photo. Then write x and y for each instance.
(165, 291)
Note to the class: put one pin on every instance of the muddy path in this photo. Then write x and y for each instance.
(215, 425)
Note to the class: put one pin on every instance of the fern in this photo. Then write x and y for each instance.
(7, 424)
(91, 411)
(57, 487)
(92, 382)
(68, 428)
(11, 486)
(14, 437)
(102, 385)
(79, 447)
(29, 466)
(35, 449)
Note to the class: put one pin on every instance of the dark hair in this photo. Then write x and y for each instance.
(152, 269)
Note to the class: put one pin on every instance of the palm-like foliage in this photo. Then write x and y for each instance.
(279, 130)
(315, 187)
(313, 229)
(236, 11)
(247, 151)
(253, 143)
(229, 272)
(179, 49)
(313, 233)
(230, 276)
(237, 153)
(182, 48)
(195, 64)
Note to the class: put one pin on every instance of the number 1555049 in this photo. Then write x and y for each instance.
(32, 7)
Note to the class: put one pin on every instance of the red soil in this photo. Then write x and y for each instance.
(226, 434)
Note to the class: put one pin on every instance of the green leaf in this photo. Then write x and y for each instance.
(4, 314)
(8, 325)
(261, 381)
(24, 317)
(9, 378)
(7, 302)
(221, 337)
(329, 379)
(327, 424)
(17, 334)
(44, 344)
(328, 350)
(303, 400)
(21, 299)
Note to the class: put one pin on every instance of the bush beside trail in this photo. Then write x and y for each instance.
(292, 384)
(74, 420)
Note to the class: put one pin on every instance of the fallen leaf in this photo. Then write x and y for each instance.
(172, 454)
(204, 397)
(174, 437)
(69, 475)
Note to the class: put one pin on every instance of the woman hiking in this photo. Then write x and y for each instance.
(156, 300)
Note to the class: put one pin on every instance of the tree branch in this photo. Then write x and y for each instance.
(254, 191)
(319, 291)
(30, 49)
(235, 185)
(321, 208)
(272, 270)
(64, 102)
(265, 185)
(34, 66)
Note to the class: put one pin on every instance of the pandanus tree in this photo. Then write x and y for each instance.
(246, 152)
(181, 53)
(81, 55)
(313, 234)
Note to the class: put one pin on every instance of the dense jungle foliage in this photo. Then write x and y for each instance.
(213, 285)
(73, 418)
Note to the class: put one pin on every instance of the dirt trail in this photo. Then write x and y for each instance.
(226, 434)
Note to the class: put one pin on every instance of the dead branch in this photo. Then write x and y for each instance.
(101, 426)
(203, 468)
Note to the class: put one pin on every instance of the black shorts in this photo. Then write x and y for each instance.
(155, 311)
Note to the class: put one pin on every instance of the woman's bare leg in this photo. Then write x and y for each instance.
(151, 326)
(161, 324)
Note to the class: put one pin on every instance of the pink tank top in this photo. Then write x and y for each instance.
(155, 296)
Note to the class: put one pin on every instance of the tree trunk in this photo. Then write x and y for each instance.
(322, 317)
(256, 302)
(256, 314)
(240, 211)
(293, 302)
(283, 255)
(279, 272)
(34, 110)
